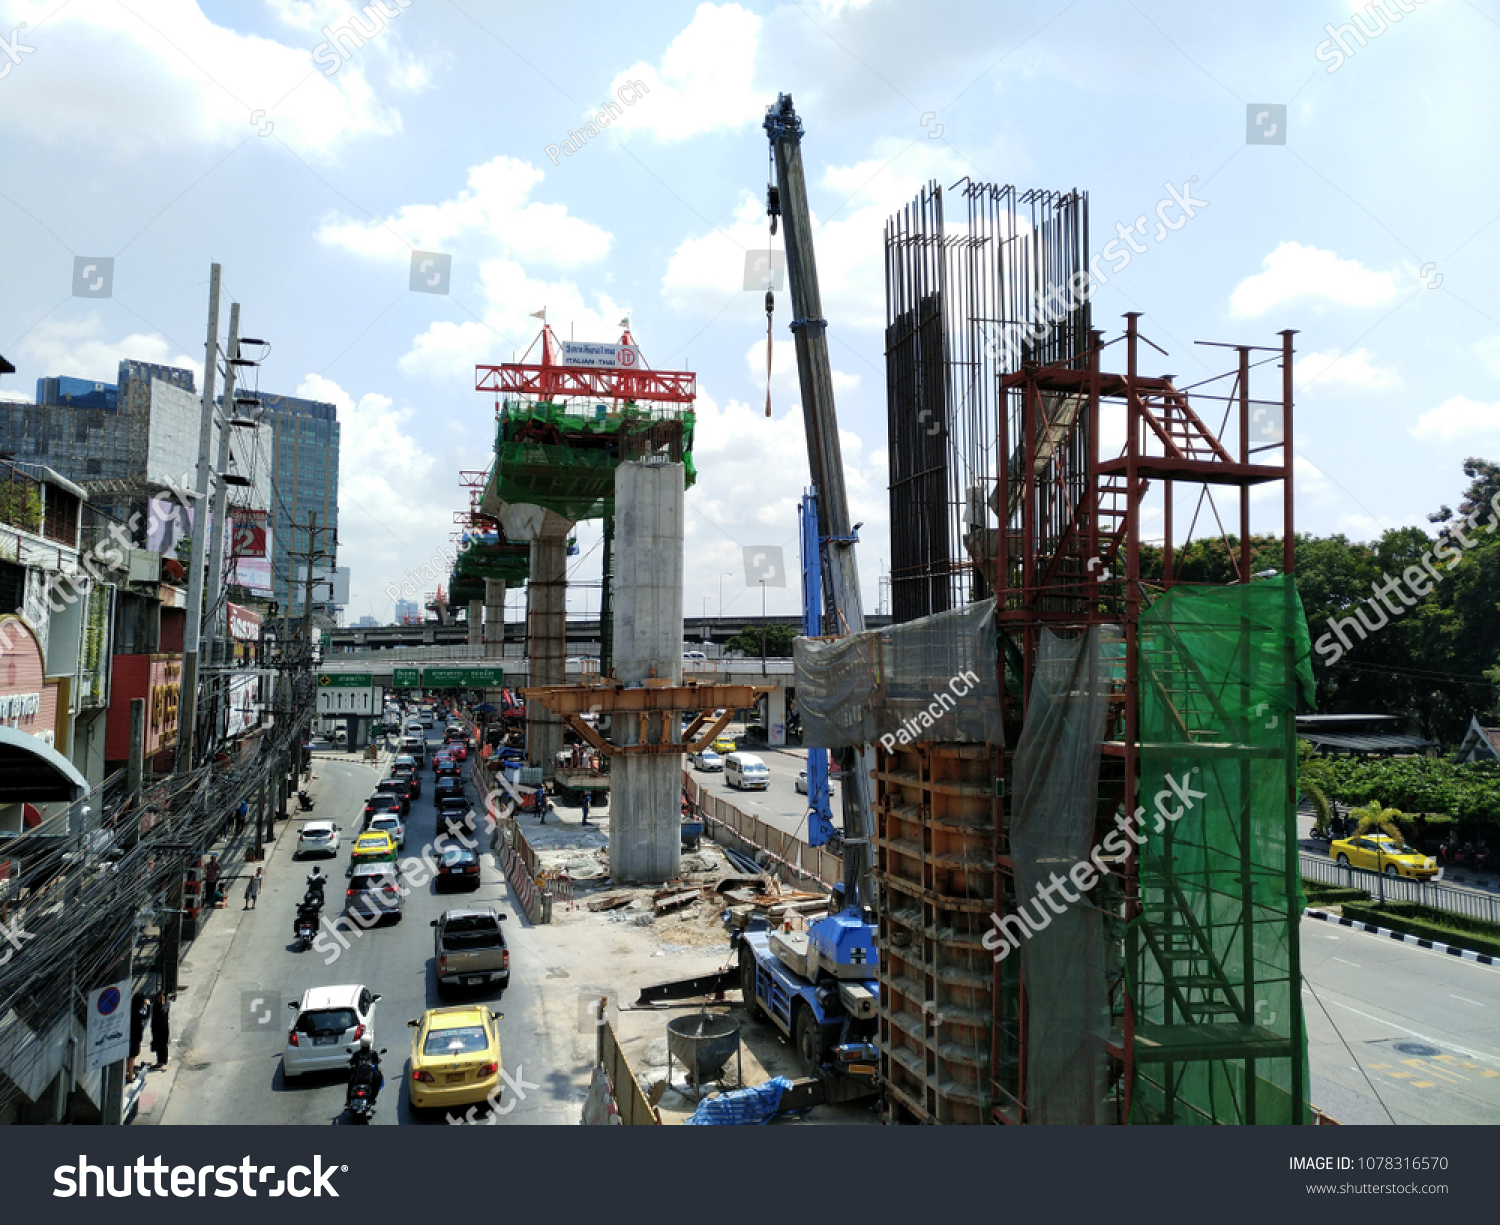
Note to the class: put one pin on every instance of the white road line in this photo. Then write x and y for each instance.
(1488, 1058)
(1465, 999)
(1347, 962)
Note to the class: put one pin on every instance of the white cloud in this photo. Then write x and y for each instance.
(703, 83)
(395, 497)
(165, 73)
(495, 210)
(1458, 417)
(450, 351)
(80, 348)
(1352, 369)
(1294, 272)
(784, 372)
(759, 472)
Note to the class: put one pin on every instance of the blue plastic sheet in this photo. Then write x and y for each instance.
(760, 1104)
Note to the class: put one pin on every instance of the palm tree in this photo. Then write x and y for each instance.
(1312, 781)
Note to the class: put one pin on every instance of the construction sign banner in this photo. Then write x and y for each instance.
(585, 353)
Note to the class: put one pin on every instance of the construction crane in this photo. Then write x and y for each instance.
(819, 986)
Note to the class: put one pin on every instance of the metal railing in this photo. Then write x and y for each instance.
(789, 856)
(1402, 889)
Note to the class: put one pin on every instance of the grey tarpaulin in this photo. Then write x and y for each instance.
(929, 679)
(1052, 830)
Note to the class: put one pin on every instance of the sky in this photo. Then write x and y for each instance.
(172, 135)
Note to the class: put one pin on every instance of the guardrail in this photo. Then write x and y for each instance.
(629, 1099)
(744, 832)
(1402, 889)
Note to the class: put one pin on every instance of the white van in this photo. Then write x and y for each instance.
(747, 772)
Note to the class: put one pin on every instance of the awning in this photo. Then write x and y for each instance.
(1368, 744)
(32, 772)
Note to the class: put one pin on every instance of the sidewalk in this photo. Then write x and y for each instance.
(203, 962)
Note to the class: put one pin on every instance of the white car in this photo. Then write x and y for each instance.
(708, 761)
(329, 1020)
(801, 783)
(388, 823)
(317, 838)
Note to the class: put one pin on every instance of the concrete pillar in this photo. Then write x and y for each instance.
(476, 622)
(494, 618)
(547, 621)
(645, 807)
(776, 716)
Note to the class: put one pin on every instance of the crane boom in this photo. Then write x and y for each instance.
(844, 611)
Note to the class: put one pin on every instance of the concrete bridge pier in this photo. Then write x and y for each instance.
(645, 806)
(546, 628)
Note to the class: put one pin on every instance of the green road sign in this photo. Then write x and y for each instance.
(462, 678)
(345, 680)
(405, 678)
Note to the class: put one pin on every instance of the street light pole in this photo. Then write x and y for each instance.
(722, 577)
(762, 627)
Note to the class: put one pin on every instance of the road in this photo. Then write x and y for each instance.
(231, 1071)
(1399, 1033)
(780, 804)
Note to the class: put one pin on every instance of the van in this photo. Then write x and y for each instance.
(747, 772)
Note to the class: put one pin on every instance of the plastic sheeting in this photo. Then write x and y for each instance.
(1056, 783)
(1212, 958)
(759, 1104)
(930, 679)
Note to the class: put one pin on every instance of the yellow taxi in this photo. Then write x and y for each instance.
(375, 847)
(455, 1057)
(1382, 853)
(725, 744)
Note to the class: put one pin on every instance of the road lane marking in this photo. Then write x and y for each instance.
(1412, 1032)
(1465, 999)
(1347, 962)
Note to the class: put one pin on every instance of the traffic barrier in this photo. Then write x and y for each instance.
(792, 856)
(559, 884)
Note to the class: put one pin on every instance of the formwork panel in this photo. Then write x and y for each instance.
(935, 829)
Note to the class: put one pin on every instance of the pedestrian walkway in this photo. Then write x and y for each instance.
(199, 968)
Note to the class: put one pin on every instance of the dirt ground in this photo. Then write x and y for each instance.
(616, 953)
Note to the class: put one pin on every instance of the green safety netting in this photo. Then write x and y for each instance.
(563, 457)
(509, 562)
(1213, 959)
(463, 590)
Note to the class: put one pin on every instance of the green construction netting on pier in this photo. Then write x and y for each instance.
(563, 457)
(1213, 958)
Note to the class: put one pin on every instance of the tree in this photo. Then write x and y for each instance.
(778, 642)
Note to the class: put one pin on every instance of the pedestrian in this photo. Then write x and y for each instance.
(140, 1017)
(252, 890)
(161, 1034)
(585, 807)
(242, 814)
(541, 804)
(211, 882)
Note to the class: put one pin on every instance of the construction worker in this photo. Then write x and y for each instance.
(585, 807)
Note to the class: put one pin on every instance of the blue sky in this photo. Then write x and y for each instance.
(170, 135)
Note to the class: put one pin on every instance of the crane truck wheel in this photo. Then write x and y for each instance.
(747, 983)
(809, 1037)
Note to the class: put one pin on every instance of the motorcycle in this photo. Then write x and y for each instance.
(365, 1082)
(305, 802)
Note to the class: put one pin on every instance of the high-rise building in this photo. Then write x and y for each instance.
(101, 439)
(305, 468)
(408, 612)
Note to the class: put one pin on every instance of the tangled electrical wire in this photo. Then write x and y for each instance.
(85, 896)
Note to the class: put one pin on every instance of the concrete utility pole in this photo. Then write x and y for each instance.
(216, 609)
(187, 721)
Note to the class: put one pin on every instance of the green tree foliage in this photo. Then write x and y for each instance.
(778, 642)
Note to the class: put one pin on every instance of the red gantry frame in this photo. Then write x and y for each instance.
(551, 381)
(1069, 555)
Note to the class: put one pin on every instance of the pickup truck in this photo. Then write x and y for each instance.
(470, 948)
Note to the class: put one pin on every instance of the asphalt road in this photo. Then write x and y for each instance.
(232, 1067)
(1398, 1033)
(780, 804)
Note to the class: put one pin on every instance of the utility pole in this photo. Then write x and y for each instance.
(187, 721)
(312, 554)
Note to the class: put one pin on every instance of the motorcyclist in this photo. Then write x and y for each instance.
(364, 1068)
(317, 882)
(307, 913)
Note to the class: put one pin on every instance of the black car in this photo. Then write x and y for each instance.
(447, 788)
(399, 788)
(455, 809)
(406, 768)
(458, 868)
(384, 801)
